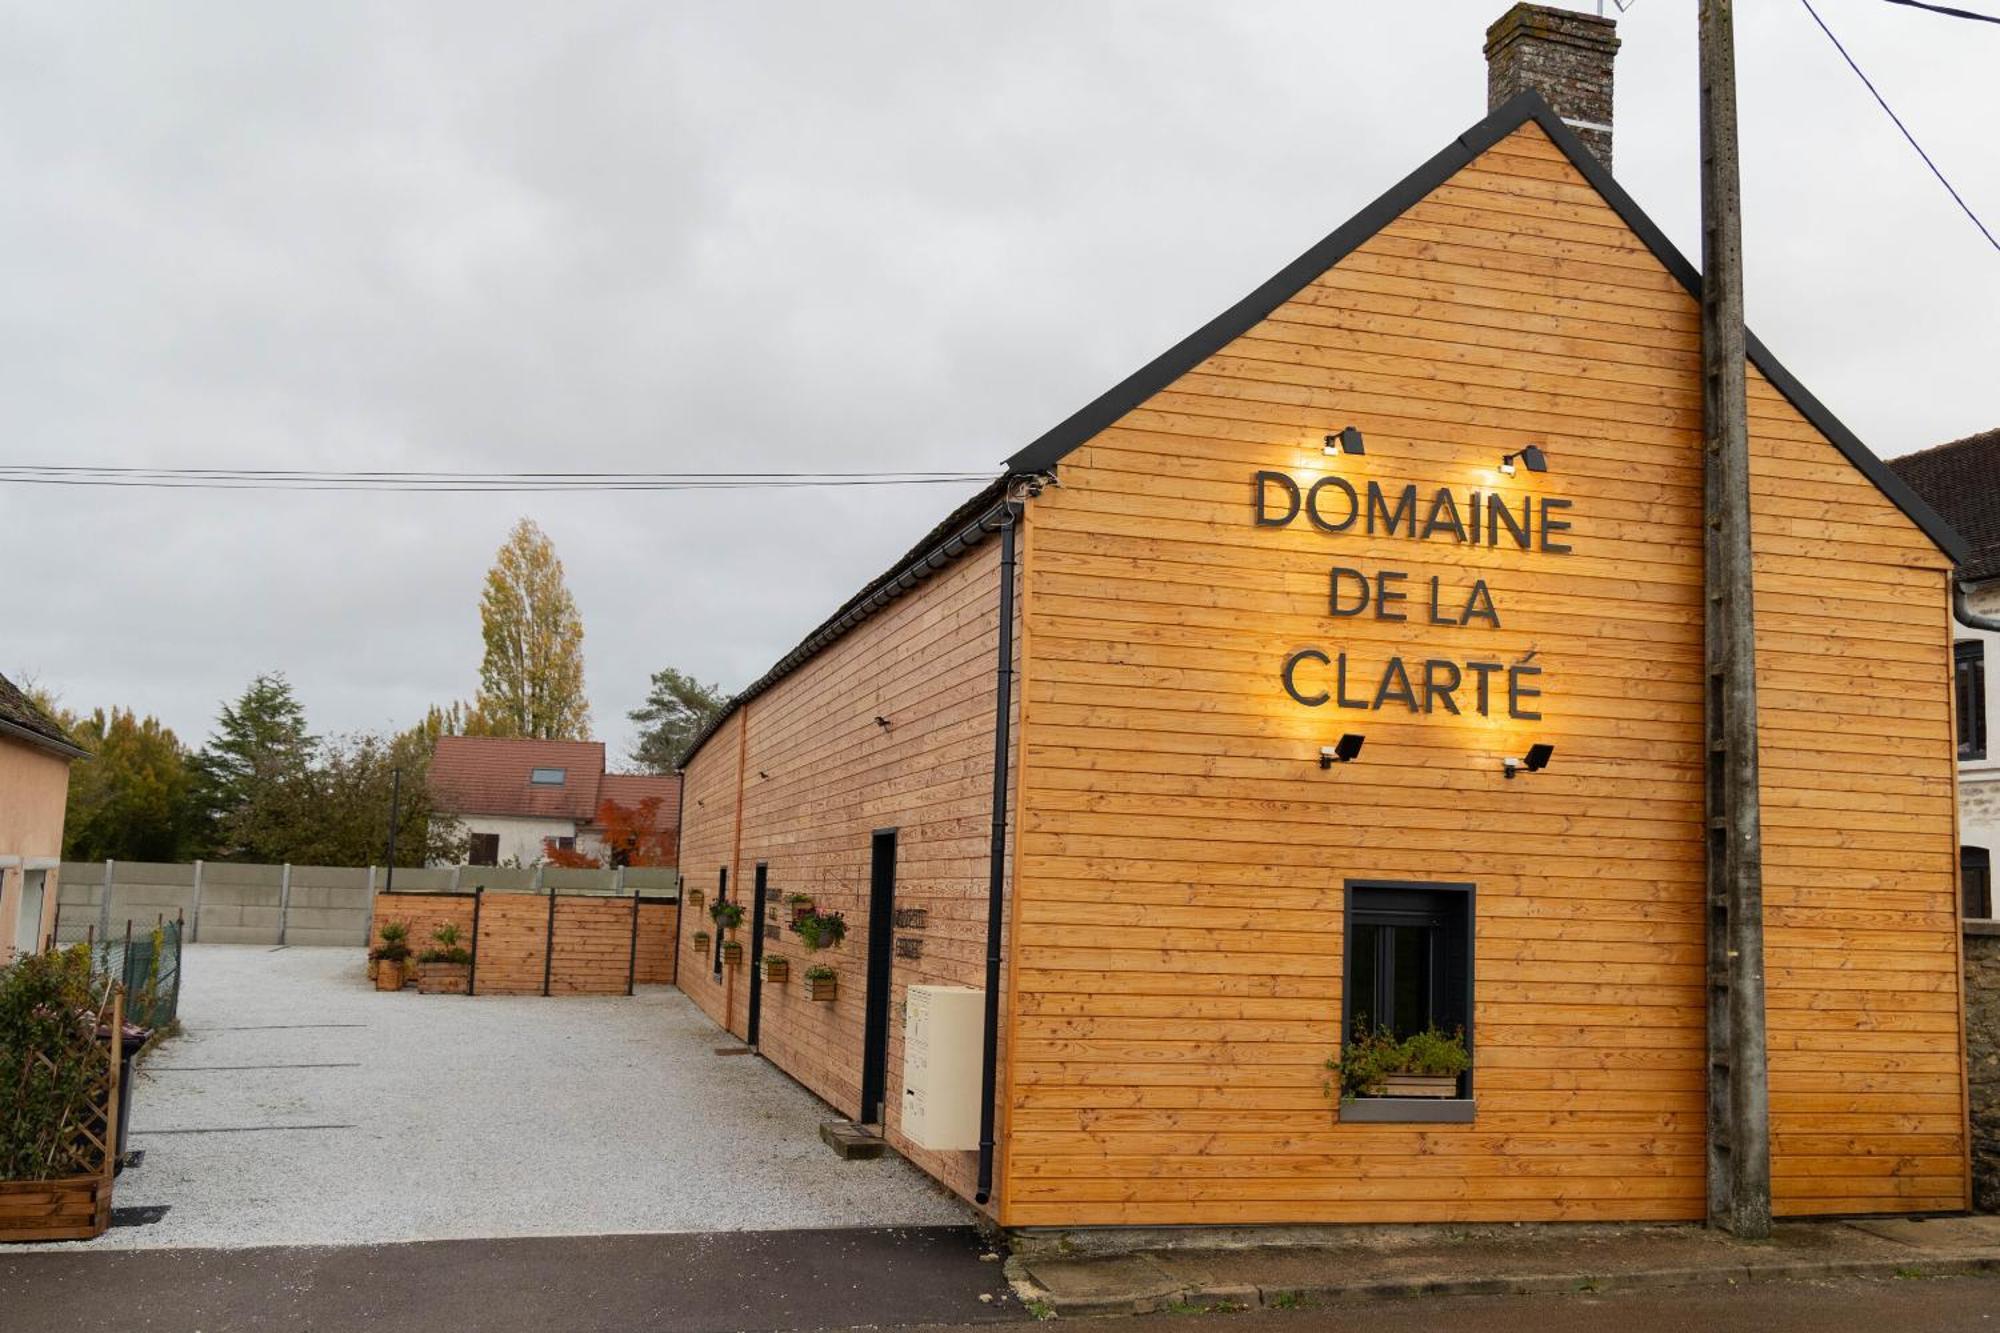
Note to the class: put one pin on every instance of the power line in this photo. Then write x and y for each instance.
(284, 479)
(1899, 122)
(1947, 9)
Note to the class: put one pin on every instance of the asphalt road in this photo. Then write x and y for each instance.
(751, 1280)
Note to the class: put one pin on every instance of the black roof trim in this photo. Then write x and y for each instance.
(1190, 352)
(963, 529)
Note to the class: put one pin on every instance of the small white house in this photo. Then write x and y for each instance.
(512, 795)
(1961, 480)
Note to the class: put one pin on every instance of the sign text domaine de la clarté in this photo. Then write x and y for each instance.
(1333, 505)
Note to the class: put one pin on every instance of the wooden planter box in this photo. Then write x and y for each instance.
(777, 969)
(72, 1208)
(695, 898)
(823, 988)
(732, 953)
(389, 975)
(700, 941)
(444, 978)
(800, 911)
(1419, 1085)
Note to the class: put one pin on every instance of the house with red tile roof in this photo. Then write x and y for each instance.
(511, 794)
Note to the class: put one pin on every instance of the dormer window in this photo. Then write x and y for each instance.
(548, 777)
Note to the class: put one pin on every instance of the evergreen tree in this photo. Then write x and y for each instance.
(259, 748)
(531, 679)
(677, 707)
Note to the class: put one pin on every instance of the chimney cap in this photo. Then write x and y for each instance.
(1548, 23)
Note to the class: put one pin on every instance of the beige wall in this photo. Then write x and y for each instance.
(34, 786)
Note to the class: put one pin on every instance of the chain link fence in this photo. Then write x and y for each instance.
(145, 959)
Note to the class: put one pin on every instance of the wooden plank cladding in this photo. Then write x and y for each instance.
(603, 945)
(1320, 519)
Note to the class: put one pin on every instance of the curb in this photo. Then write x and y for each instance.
(1537, 1284)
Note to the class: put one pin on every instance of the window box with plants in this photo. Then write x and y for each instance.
(392, 956)
(447, 968)
(822, 983)
(695, 898)
(801, 905)
(777, 970)
(1381, 1076)
(699, 941)
(820, 930)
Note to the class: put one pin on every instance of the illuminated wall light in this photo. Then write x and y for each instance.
(1532, 457)
(1537, 759)
(1345, 752)
(1348, 441)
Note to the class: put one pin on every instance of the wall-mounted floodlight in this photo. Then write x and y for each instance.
(1348, 441)
(1343, 753)
(1537, 759)
(1531, 457)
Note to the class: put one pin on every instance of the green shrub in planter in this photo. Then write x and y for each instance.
(51, 1064)
(1374, 1058)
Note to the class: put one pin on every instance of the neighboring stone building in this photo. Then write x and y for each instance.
(35, 756)
(512, 794)
(1961, 480)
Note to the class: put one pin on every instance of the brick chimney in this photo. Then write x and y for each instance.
(1563, 55)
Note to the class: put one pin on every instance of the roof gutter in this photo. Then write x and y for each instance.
(1962, 612)
(64, 748)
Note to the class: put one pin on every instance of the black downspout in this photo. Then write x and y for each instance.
(1003, 698)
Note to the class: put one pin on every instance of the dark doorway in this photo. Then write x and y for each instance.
(757, 909)
(721, 900)
(881, 952)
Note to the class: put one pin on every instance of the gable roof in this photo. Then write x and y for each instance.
(21, 720)
(629, 789)
(1086, 422)
(1961, 480)
(981, 514)
(488, 775)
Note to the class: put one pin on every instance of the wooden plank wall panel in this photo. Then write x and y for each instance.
(822, 775)
(1182, 857)
(513, 938)
(1860, 854)
(819, 776)
(593, 946)
(708, 845)
(659, 925)
(423, 914)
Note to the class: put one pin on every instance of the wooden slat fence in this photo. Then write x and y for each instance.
(547, 944)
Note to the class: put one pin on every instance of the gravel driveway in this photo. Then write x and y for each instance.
(303, 1108)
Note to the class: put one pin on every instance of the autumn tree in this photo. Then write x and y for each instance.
(531, 679)
(631, 838)
(132, 800)
(677, 707)
(260, 745)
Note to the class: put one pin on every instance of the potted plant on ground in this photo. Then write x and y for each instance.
(392, 956)
(822, 983)
(821, 930)
(776, 969)
(447, 968)
(801, 905)
(1377, 1064)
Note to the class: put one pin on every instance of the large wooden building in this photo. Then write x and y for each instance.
(1436, 486)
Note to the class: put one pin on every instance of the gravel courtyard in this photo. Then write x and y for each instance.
(301, 1107)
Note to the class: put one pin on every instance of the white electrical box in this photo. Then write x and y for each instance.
(943, 1040)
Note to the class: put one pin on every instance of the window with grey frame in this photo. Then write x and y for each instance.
(1968, 676)
(1409, 961)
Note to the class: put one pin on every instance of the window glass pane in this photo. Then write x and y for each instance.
(1364, 950)
(548, 777)
(1410, 979)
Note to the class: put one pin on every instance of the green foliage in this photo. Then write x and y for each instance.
(133, 800)
(455, 954)
(1372, 1057)
(677, 707)
(799, 899)
(259, 748)
(51, 1064)
(821, 930)
(334, 810)
(531, 678)
(446, 935)
(727, 915)
(820, 972)
(395, 946)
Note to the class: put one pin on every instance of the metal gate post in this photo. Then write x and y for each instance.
(549, 945)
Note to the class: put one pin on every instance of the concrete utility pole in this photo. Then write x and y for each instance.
(1739, 1105)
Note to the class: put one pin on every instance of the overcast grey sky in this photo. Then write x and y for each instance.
(777, 236)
